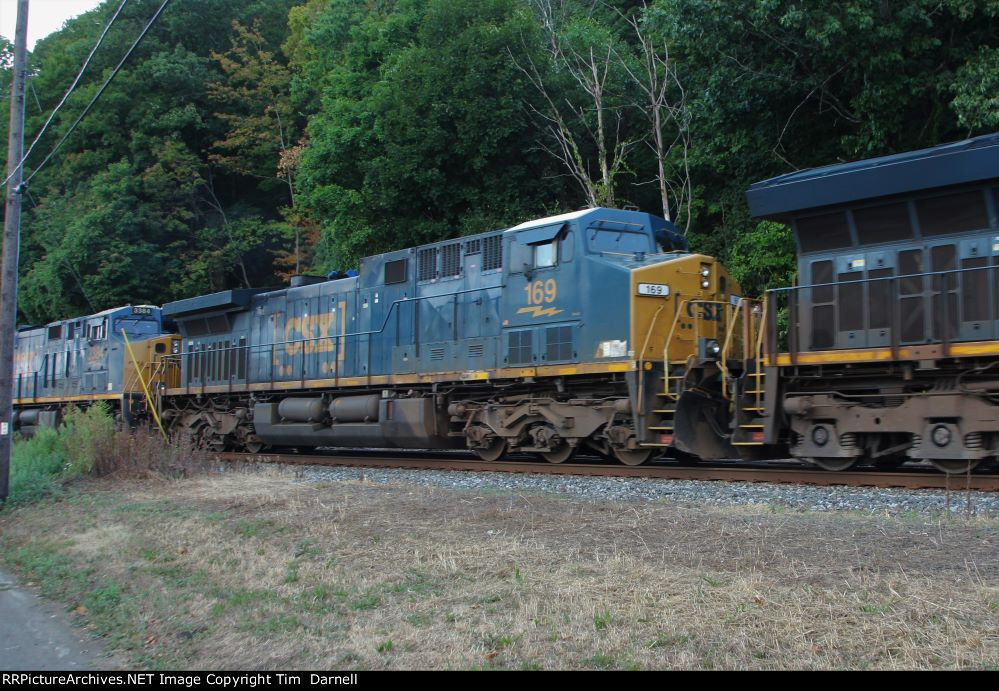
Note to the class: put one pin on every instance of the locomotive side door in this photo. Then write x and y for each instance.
(912, 295)
(943, 289)
(820, 322)
(880, 302)
(976, 322)
(851, 326)
(364, 299)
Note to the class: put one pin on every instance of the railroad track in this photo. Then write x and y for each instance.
(911, 479)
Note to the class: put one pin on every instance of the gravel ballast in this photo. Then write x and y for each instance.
(779, 496)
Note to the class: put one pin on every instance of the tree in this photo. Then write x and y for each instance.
(581, 106)
(422, 132)
(664, 104)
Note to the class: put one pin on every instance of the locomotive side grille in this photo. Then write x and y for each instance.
(426, 260)
(944, 291)
(952, 213)
(492, 250)
(473, 246)
(451, 260)
(823, 309)
(558, 343)
(437, 353)
(879, 298)
(975, 291)
(476, 350)
(851, 300)
(910, 290)
(519, 347)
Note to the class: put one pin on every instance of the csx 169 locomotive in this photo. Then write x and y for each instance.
(543, 338)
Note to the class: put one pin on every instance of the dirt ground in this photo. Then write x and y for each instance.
(261, 570)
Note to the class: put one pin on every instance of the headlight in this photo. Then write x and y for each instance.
(705, 271)
(705, 283)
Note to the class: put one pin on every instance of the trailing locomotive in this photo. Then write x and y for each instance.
(83, 360)
(544, 338)
(892, 350)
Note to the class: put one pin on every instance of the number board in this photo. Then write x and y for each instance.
(142, 310)
(654, 289)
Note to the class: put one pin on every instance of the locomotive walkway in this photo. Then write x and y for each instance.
(35, 636)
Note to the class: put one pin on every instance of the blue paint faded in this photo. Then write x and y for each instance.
(82, 356)
(544, 292)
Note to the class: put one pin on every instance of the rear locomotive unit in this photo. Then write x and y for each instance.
(560, 333)
(891, 352)
(83, 360)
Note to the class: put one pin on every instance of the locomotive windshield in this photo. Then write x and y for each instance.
(619, 241)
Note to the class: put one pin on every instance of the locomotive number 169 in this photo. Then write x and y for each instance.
(540, 292)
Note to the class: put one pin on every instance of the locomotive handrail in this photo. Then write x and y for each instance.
(641, 358)
(942, 282)
(336, 338)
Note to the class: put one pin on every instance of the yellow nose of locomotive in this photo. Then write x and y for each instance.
(679, 307)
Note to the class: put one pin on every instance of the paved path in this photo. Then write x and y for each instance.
(35, 635)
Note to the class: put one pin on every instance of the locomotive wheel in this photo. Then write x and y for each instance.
(631, 456)
(494, 452)
(560, 455)
(952, 466)
(834, 464)
(254, 446)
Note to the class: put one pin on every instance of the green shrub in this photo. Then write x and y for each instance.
(88, 437)
(39, 465)
(36, 466)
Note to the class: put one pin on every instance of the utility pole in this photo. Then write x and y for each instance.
(11, 242)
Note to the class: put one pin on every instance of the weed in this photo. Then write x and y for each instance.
(365, 602)
(600, 661)
(602, 620)
(419, 620)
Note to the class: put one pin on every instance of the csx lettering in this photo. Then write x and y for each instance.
(311, 329)
(706, 312)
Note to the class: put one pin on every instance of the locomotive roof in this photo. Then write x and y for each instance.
(967, 161)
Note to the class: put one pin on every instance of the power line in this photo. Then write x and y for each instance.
(86, 63)
(149, 25)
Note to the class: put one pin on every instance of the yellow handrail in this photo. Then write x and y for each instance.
(145, 389)
(641, 359)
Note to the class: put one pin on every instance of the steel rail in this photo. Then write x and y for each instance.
(804, 476)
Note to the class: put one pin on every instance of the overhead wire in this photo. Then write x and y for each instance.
(65, 96)
(104, 86)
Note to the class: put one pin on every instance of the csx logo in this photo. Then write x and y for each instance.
(705, 312)
(307, 328)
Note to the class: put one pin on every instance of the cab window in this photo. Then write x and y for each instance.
(545, 254)
(619, 241)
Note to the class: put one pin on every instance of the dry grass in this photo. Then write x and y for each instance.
(260, 571)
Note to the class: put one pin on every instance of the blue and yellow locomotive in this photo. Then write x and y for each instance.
(560, 333)
(83, 360)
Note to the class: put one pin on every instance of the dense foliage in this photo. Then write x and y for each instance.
(247, 140)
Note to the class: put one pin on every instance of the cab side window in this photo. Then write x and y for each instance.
(545, 254)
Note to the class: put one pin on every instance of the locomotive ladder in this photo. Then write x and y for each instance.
(674, 376)
(749, 392)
